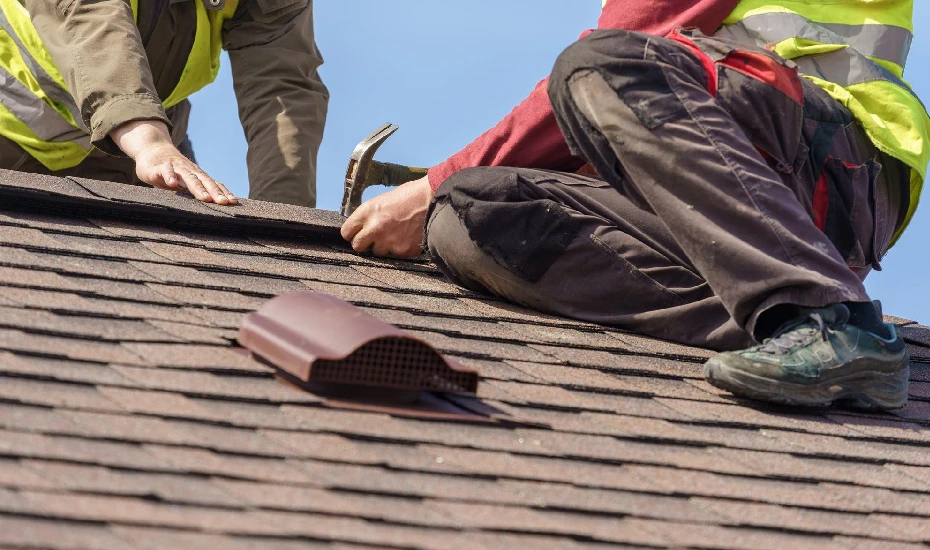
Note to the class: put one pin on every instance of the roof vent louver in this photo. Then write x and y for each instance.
(320, 339)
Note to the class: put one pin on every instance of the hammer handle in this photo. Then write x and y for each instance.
(391, 175)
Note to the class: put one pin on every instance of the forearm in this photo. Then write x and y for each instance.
(97, 48)
(282, 102)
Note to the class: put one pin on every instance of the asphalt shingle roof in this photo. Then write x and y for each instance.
(129, 419)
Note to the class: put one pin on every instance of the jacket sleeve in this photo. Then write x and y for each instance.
(282, 100)
(529, 137)
(97, 48)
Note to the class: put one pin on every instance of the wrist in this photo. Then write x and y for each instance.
(135, 136)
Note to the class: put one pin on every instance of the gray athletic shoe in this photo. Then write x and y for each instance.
(817, 360)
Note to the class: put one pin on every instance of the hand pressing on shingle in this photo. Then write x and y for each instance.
(391, 224)
(161, 165)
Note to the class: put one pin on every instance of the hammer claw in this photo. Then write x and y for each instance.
(359, 166)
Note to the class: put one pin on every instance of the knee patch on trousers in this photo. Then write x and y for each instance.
(631, 64)
(508, 219)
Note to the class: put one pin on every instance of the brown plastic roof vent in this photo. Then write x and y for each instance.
(318, 338)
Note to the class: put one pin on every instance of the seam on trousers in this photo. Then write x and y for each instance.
(732, 168)
(601, 247)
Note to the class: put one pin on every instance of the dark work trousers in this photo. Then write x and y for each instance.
(728, 186)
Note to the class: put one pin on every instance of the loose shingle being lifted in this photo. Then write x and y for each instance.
(128, 418)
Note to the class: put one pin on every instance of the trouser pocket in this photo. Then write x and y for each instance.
(845, 209)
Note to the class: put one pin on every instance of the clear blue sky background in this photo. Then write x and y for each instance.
(446, 71)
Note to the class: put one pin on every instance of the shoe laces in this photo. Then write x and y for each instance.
(799, 332)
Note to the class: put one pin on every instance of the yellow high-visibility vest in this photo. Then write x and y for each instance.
(856, 50)
(38, 112)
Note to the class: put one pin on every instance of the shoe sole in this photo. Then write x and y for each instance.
(864, 390)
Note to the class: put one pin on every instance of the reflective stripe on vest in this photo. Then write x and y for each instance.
(884, 42)
(36, 109)
(26, 89)
(46, 82)
(856, 50)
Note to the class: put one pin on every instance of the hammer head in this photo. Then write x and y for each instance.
(359, 166)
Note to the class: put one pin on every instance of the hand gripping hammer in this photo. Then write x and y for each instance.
(363, 171)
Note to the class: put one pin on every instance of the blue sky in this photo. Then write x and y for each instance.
(447, 71)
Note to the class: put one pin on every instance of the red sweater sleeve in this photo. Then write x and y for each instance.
(529, 136)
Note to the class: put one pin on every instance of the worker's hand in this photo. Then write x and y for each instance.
(391, 224)
(161, 165)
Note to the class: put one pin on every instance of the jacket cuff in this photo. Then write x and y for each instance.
(440, 173)
(120, 110)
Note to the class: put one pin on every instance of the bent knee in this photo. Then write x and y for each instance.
(599, 49)
(452, 248)
(602, 50)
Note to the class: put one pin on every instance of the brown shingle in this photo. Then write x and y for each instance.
(256, 285)
(788, 466)
(136, 230)
(196, 383)
(412, 281)
(73, 265)
(823, 496)
(74, 449)
(520, 519)
(406, 484)
(747, 514)
(571, 337)
(709, 536)
(917, 529)
(172, 488)
(43, 184)
(310, 499)
(480, 348)
(183, 356)
(79, 350)
(107, 249)
(14, 475)
(178, 254)
(916, 334)
(622, 363)
(31, 278)
(856, 543)
(54, 394)
(340, 449)
(202, 297)
(194, 334)
(845, 448)
(39, 533)
(124, 510)
(149, 198)
(157, 403)
(54, 224)
(148, 538)
(359, 295)
(507, 466)
(200, 461)
(31, 418)
(496, 309)
(32, 239)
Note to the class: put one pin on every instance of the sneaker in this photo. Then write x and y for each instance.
(817, 360)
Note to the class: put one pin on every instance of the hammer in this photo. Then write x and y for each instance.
(363, 171)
